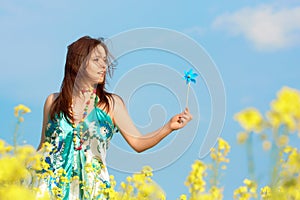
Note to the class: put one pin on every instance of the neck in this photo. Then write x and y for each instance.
(82, 87)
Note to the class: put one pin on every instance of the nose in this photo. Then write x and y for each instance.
(103, 65)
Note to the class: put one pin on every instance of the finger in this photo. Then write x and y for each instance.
(184, 116)
(186, 111)
(188, 114)
(184, 121)
(181, 120)
(187, 117)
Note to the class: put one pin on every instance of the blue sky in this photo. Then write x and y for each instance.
(255, 46)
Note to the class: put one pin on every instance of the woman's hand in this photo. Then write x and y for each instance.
(180, 120)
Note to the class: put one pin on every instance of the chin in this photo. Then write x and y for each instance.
(100, 81)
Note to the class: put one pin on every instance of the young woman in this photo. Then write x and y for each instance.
(80, 120)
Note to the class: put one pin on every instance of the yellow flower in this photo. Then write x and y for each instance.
(36, 162)
(219, 154)
(287, 102)
(290, 122)
(288, 149)
(21, 108)
(61, 172)
(251, 185)
(123, 185)
(147, 171)
(274, 119)
(112, 181)
(47, 147)
(24, 154)
(223, 145)
(246, 192)
(283, 140)
(2, 145)
(75, 178)
(3, 148)
(250, 119)
(216, 193)
(45, 165)
(129, 179)
(25, 150)
(88, 167)
(267, 145)
(57, 191)
(140, 186)
(265, 192)
(63, 179)
(241, 193)
(242, 137)
(13, 192)
(285, 109)
(293, 162)
(182, 197)
(195, 181)
(12, 170)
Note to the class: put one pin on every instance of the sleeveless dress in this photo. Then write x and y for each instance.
(77, 174)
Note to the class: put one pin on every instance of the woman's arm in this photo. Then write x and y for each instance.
(134, 138)
(46, 111)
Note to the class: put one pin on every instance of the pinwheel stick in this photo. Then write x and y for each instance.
(187, 95)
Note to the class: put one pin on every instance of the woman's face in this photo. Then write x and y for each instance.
(96, 65)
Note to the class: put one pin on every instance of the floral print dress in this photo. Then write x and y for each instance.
(77, 174)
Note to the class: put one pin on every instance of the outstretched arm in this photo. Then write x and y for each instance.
(134, 138)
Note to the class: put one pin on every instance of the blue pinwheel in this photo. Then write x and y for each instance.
(190, 76)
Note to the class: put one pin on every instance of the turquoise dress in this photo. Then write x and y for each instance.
(78, 174)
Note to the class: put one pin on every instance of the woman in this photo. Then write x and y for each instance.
(79, 122)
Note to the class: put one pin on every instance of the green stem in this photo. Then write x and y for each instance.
(215, 174)
(250, 157)
(274, 153)
(15, 139)
(276, 150)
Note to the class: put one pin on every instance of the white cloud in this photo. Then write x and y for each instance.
(267, 27)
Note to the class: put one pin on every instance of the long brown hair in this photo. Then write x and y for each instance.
(77, 53)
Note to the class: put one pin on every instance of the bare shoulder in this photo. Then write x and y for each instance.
(117, 101)
(117, 104)
(50, 99)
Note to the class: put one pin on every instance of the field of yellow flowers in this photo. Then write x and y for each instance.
(19, 164)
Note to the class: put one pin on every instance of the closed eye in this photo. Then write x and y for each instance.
(97, 59)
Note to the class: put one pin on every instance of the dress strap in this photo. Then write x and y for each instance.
(96, 101)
